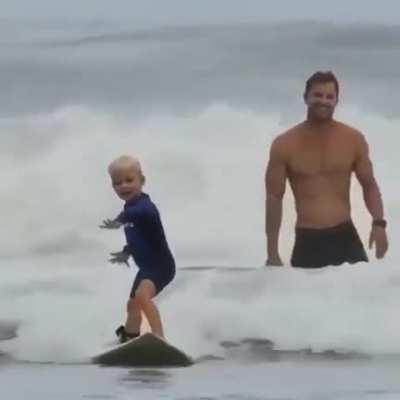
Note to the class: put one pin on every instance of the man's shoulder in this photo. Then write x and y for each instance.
(302, 129)
(283, 144)
(288, 141)
(347, 129)
(350, 135)
(289, 136)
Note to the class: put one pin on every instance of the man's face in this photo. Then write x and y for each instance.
(127, 183)
(321, 101)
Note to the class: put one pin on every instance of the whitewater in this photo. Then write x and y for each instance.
(199, 106)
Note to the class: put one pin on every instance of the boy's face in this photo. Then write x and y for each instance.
(127, 182)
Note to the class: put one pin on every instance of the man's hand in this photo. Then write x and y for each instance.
(119, 257)
(274, 261)
(378, 238)
(110, 224)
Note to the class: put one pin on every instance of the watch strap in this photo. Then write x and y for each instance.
(379, 222)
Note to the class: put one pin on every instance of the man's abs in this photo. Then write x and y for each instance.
(321, 203)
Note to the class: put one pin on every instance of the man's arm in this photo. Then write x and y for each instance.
(275, 183)
(364, 173)
(372, 196)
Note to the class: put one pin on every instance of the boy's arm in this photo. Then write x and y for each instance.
(137, 214)
(120, 257)
(275, 184)
(110, 224)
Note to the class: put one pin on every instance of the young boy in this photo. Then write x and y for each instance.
(146, 243)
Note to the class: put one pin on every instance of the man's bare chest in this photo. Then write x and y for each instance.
(316, 159)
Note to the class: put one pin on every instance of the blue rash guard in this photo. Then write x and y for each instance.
(146, 242)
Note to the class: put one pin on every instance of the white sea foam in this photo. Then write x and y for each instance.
(205, 166)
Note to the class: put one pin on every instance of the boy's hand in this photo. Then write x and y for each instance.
(119, 257)
(110, 224)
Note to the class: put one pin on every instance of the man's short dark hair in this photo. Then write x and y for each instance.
(321, 77)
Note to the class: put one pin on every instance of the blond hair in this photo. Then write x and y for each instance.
(125, 162)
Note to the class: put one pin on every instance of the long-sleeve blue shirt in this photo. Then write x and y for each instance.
(145, 236)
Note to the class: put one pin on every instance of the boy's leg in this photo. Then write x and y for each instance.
(144, 296)
(134, 317)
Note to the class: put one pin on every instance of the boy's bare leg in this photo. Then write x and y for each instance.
(134, 317)
(144, 296)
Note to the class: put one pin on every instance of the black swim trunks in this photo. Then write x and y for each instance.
(316, 248)
(160, 278)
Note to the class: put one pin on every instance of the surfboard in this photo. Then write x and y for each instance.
(144, 351)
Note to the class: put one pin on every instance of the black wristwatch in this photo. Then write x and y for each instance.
(379, 222)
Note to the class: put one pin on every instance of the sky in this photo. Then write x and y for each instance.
(212, 11)
(259, 67)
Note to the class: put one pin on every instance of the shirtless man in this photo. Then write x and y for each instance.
(318, 157)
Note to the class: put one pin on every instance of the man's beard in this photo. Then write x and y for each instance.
(316, 115)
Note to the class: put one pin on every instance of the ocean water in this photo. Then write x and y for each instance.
(199, 105)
